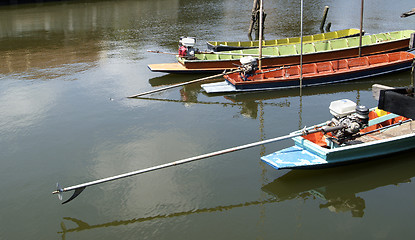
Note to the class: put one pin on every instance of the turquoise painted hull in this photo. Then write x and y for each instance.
(306, 154)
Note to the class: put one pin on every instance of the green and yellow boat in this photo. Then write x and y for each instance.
(286, 55)
(218, 46)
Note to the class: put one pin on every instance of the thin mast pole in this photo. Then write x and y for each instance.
(301, 48)
(260, 34)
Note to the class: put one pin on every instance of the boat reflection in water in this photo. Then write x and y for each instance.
(339, 187)
(248, 103)
(251, 102)
(82, 226)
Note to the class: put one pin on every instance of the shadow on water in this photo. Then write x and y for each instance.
(170, 79)
(399, 79)
(337, 186)
(82, 226)
(249, 108)
(250, 101)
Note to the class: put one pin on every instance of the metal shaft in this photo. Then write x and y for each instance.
(181, 84)
(186, 160)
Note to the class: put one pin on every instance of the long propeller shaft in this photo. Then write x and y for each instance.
(182, 84)
(80, 187)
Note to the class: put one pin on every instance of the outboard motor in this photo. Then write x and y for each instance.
(248, 67)
(186, 47)
(348, 119)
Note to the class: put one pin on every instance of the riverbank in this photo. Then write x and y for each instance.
(16, 2)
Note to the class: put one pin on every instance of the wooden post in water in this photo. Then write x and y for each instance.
(361, 29)
(255, 19)
(328, 26)
(323, 21)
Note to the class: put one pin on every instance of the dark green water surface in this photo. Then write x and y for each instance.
(66, 69)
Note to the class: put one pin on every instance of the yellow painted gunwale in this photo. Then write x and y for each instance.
(292, 40)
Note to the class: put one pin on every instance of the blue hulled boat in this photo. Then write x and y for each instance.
(385, 133)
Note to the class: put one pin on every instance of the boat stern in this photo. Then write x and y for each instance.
(293, 157)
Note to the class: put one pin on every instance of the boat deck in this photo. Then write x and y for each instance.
(400, 130)
(229, 45)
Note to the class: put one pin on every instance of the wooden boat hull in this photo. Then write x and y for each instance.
(218, 46)
(313, 52)
(307, 154)
(316, 73)
(299, 157)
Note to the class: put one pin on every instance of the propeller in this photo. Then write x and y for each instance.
(59, 190)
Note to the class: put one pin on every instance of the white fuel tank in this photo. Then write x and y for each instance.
(341, 108)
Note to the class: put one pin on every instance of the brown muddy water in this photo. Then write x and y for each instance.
(66, 69)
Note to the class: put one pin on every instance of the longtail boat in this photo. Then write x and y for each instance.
(286, 55)
(387, 131)
(336, 141)
(218, 46)
(319, 73)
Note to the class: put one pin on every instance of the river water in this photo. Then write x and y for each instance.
(66, 70)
